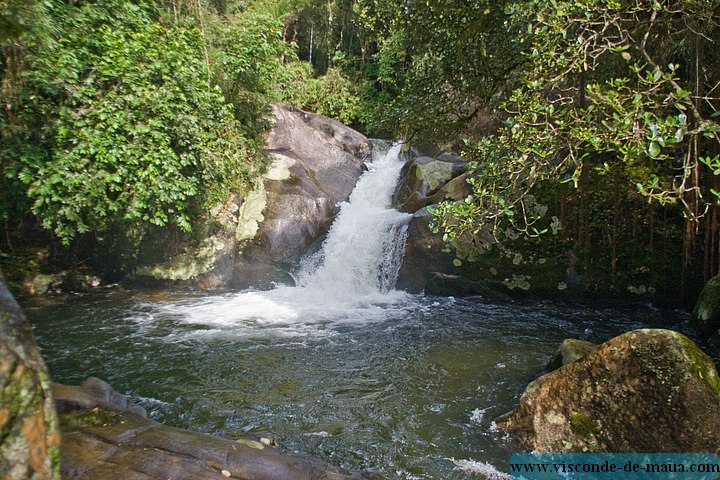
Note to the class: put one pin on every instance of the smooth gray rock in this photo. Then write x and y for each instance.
(316, 162)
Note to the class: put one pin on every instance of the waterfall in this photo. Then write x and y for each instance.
(363, 249)
(351, 277)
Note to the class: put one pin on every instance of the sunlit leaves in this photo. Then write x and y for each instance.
(595, 90)
(133, 133)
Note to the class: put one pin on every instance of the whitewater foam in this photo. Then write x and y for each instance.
(351, 279)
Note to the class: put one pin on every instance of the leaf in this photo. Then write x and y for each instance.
(654, 149)
(679, 135)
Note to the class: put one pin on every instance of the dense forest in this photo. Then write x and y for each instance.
(592, 125)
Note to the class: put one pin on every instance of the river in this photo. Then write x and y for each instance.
(340, 365)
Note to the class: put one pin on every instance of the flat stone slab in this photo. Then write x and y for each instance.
(103, 443)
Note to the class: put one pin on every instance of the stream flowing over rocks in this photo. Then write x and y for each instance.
(349, 330)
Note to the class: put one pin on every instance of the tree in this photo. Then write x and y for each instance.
(118, 123)
(626, 89)
(439, 66)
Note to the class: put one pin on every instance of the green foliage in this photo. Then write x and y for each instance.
(247, 52)
(598, 92)
(438, 65)
(120, 124)
(332, 94)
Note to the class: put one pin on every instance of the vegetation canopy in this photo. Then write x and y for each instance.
(593, 121)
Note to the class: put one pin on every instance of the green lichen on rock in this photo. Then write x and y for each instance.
(702, 364)
(649, 390)
(29, 439)
(705, 317)
(187, 265)
(251, 214)
(97, 417)
(581, 424)
(434, 174)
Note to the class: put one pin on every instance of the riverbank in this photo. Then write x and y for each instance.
(106, 436)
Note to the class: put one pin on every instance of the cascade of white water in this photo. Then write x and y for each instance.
(351, 277)
(360, 254)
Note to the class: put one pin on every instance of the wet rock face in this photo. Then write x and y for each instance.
(644, 391)
(29, 440)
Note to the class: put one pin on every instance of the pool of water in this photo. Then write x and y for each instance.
(406, 385)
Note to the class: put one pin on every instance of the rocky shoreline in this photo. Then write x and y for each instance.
(105, 436)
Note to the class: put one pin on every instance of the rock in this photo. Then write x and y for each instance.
(489, 262)
(570, 350)
(106, 443)
(40, 284)
(316, 162)
(426, 181)
(29, 440)
(78, 280)
(644, 391)
(467, 267)
(423, 256)
(91, 394)
(705, 317)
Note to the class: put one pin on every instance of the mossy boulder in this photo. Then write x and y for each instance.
(705, 316)
(648, 390)
(426, 181)
(29, 439)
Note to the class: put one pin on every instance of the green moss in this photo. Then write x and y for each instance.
(581, 424)
(700, 363)
(19, 395)
(96, 417)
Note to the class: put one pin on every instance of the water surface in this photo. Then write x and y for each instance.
(411, 393)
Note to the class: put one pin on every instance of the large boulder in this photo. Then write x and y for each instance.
(644, 391)
(106, 437)
(427, 181)
(494, 263)
(29, 440)
(316, 162)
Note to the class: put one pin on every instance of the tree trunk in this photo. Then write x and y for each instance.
(29, 436)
